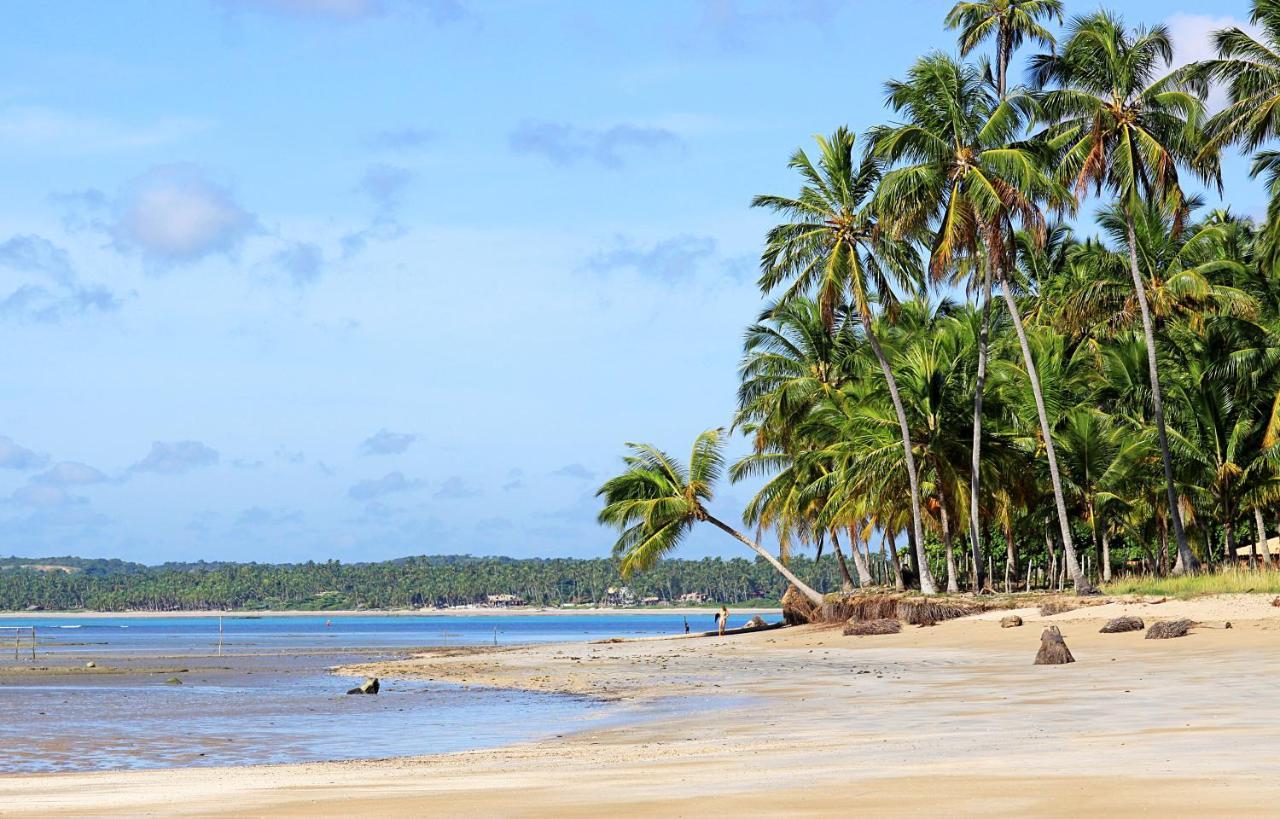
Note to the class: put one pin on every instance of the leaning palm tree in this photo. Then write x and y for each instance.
(1009, 22)
(1123, 129)
(962, 175)
(656, 501)
(833, 244)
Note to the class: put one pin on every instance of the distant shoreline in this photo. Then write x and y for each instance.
(456, 612)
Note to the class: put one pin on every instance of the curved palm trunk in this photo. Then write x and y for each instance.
(1073, 566)
(804, 589)
(1261, 540)
(860, 562)
(922, 565)
(846, 582)
(1185, 557)
(976, 463)
(897, 564)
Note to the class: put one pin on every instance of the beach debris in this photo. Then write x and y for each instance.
(369, 686)
(91, 664)
(1117, 625)
(173, 681)
(864, 628)
(1053, 649)
(913, 609)
(797, 610)
(1276, 602)
(1012, 621)
(1168, 629)
(756, 622)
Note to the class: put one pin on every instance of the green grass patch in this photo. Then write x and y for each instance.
(1225, 581)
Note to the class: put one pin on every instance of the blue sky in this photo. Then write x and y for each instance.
(301, 279)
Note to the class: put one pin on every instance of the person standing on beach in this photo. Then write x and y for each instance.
(722, 619)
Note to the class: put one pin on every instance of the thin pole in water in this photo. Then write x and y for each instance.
(219, 635)
(495, 635)
(33, 642)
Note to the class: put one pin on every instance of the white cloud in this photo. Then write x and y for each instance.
(175, 213)
(1192, 42)
(176, 457)
(16, 456)
(70, 473)
(46, 130)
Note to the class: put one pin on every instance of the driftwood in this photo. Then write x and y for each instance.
(1168, 629)
(1012, 621)
(1120, 624)
(1053, 649)
(863, 628)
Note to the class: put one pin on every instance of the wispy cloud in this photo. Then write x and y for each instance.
(176, 213)
(46, 130)
(567, 144)
(389, 483)
(386, 442)
(47, 288)
(402, 139)
(15, 456)
(349, 11)
(70, 473)
(176, 457)
(669, 259)
(577, 471)
(454, 488)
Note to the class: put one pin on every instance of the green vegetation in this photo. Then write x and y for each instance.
(413, 582)
(1116, 410)
(1226, 581)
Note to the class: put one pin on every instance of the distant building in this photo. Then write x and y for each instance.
(652, 601)
(692, 597)
(505, 601)
(619, 596)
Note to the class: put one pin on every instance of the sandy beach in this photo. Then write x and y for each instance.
(805, 721)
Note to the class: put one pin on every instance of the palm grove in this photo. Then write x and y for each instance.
(955, 359)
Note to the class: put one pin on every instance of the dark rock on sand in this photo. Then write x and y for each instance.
(1118, 624)
(1012, 621)
(863, 628)
(1053, 649)
(1168, 629)
(369, 686)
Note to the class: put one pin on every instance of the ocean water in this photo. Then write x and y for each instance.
(270, 696)
(248, 633)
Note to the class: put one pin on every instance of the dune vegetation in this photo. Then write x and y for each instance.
(1007, 344)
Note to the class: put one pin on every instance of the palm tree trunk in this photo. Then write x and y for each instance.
(1260, 541)
(846, 582)
(1106, 554)
(860, 563)
(804, 589)
(922, 565)
(976, 462)
(953, 583)
(897, 564)
(1185, 557)
(1081, 584)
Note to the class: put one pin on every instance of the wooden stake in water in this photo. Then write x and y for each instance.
(495, 635)
(219, 635)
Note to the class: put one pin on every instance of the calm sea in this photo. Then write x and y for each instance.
(270, 697)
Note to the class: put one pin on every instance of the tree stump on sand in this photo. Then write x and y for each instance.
(1119, 624)
(797, 610)
(863, 628)
(369, 686)
(1169, 629)
(1053, 649)
(1012, 621)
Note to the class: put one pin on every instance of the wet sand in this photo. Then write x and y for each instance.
(952, 718)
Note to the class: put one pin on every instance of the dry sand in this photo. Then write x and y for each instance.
(950, 720)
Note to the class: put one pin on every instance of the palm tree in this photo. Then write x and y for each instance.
(834, 246)
(656, 501)
(961, 170)
(1009, 22)
(1121, 128)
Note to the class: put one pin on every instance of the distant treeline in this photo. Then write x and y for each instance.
(115, 585)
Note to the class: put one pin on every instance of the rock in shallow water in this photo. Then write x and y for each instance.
(369, 686)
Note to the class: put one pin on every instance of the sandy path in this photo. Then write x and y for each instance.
(951, 718)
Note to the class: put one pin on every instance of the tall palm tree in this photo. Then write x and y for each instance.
(963, 174)
(833, 246)
(656, 501)
(1123, 128)
(1009, 22)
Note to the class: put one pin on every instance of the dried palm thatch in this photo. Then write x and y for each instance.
(913, 609)
(1062, 604)
(1053, 649)
(1117, 625)
(797, 609)
(863, 628)
(1168, 629)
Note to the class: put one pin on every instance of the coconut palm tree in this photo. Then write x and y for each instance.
(834, 247)
(656, 501)
(962, 172)
(1123, 128)
(1009, 22)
